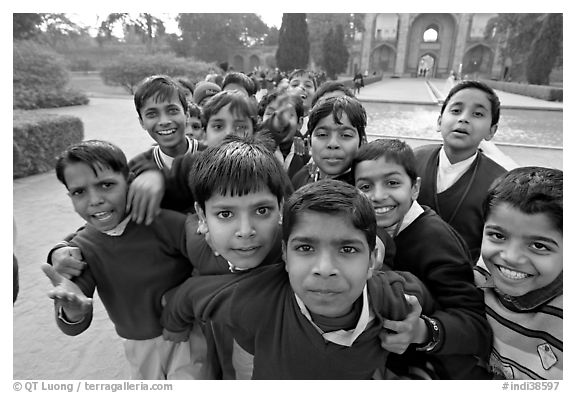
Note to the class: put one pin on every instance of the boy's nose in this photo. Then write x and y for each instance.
(380, 193)
(513, 255)
(94, 198)
(324, 265)
(245, 228)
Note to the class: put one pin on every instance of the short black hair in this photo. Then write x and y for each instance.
(162, 87)
(336, 106)
(239, 103)
(328, 87)
(331, 197)
(532, 190)
(470, 84)
(240, 79)
(238, 166)
(96, 154)
(309, 74)
(274, 94)
(393, 150)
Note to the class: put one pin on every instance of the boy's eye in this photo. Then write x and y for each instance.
(478, 114)
(455, 111)
(320, 134)
(107, 185)
(495, 236)
(349, 250)
(347, 135)
(150, 115)
(196, 126)
(393, 183)
(262, 211)
(241, 127)
(540, 247)
(76, 192)
(303, 248)
(224, 214)
(364, 187)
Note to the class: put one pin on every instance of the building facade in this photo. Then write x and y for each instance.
(431, 45)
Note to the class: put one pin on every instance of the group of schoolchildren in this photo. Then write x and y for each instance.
(272, 241)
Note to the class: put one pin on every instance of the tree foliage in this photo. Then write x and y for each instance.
(545, 50)
(334, 52)
(293, 43)
(128, 71)
(210, 37)
(46, 28)
(320, 24)
(144, 27)
(40, 78)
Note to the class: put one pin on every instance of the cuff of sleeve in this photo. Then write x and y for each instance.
(62, 317)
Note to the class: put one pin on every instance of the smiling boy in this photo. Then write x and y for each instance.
(521, 273)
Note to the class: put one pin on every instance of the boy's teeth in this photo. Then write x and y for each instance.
(512, 274)
(167, 132)
(102, 215)
(382, 210)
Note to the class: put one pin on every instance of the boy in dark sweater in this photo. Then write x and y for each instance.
(319, 316)
(132, 265)
(456, 175)
(385, 170)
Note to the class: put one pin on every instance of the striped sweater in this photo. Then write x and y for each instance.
(527, 345)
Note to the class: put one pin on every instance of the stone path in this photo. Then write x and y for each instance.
(43, 215)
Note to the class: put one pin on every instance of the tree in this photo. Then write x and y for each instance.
(334, 52)
(293, 44)
(210, 37)
(320, 24)
(516, 33)
(25, 26)
(146, 27)
(545, 50)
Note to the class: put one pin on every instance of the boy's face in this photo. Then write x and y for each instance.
(304, 86)
(286, 118)
(225, 122)
(165, 121)
(100, 199)
(242, 228)
(328, 262)
(466, 121)
(522, 251)
(334, 145)
(388, 187)
(194, 129)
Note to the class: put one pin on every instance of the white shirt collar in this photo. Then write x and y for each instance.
(449, 173)
(167, 160)
(343, 337)
(412, 214)
(118, 230)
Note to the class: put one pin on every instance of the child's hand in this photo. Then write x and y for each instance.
(144, 196)
(68, 261)
(407, 331)
(176, 337)
(67, 295)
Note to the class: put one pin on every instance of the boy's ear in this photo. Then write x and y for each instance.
(438, 123)
(493, 130)
(202, 225)
(284, 254)
(372, 262)
(416, 188)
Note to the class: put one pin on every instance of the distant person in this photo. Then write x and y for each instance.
(239, 81)
(303, 82)
(188, 87)
(456, 174)
(130, 265)
(203, 91)
(194, 128)
(358, 82)
(521, 273)
(331, 89)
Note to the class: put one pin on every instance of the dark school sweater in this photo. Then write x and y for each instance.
(266, 321)
(131, 273)
(434, 252)
(468, 219)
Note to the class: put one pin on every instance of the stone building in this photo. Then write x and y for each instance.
(432, 45)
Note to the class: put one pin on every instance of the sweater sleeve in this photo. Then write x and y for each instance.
(142, 162)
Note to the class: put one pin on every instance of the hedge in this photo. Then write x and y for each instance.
(38, 139)
(40, 78)
(548, 93)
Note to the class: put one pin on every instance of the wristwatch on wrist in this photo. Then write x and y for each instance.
(433, 335)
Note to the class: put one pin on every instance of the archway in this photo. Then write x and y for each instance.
(426, 66)
(238, 63)
(477, 62)
(254, 62)
(383, 59)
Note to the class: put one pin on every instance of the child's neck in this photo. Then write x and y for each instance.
(176, 151)
(456, 156)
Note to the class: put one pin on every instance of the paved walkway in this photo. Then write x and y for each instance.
(43, 215)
